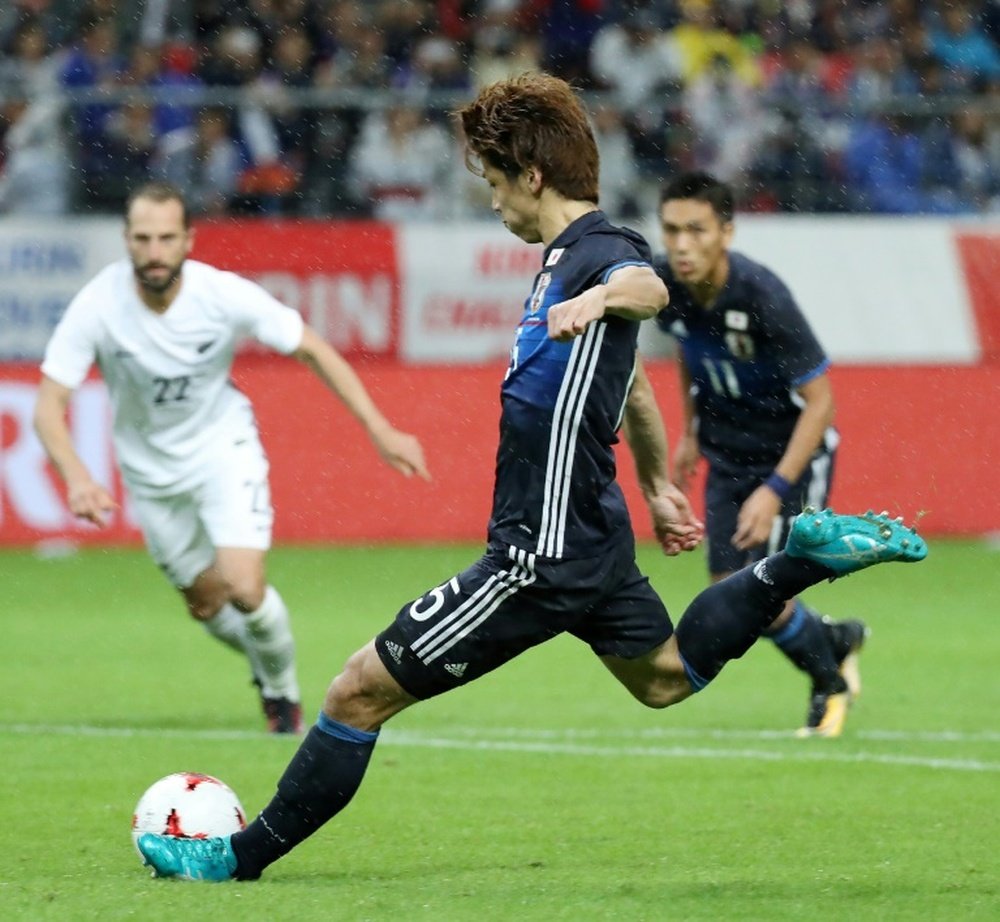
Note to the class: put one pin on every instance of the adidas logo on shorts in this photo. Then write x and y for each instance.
(395, 650)
(456, 669)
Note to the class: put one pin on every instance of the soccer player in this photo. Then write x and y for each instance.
(758, 405)
(560, 555)
(163, 329)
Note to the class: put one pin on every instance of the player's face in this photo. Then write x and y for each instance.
(515, 203)
(695, 239)
(158, 243)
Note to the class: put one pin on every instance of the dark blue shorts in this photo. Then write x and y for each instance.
(509, 601)
(727, 488)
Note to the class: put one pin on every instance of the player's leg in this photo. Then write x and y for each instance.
(328, 767)
(177, 541)
(796, 631)
(814, 644)
(320, 780)
(269, 641)
(454, 633)
(235, 506)
(725, 619)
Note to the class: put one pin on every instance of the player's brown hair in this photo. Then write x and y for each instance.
(533, 120)
(158, 192)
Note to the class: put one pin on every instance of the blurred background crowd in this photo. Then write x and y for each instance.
(340, 107)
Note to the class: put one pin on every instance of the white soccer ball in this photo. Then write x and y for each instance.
(188, 805)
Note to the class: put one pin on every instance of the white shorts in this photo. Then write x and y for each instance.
(231, 507)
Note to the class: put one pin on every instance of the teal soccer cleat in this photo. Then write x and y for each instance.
(848, 543)
(188, 859)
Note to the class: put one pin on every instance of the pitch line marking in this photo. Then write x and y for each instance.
(560, 742)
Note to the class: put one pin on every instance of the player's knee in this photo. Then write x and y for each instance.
(204, 606)
(246, 592)
(364, 696)
(354, 683)
(662, 692)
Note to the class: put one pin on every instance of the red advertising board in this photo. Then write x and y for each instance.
(342, 277)
(980, 257)
(917, 441)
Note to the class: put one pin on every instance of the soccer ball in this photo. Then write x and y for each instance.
(188, 805)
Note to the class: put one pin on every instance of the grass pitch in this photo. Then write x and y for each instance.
(541, 792)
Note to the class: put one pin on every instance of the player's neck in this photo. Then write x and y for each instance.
(556, 213)
(159, 301)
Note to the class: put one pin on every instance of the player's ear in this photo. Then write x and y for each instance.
(190, 241)
(728, 228)
(533, 176)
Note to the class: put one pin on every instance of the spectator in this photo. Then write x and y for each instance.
(962, 46)
(400, 164)
(34, 172)
(359, 62)
(131, 148)
(205, 163)
(28, 64)
(618, 177)
(635, 59)
(567, 29)
(237, 64)
(892, 170)
(879, 75)
(292, 57)
(730, 120)
(700, 43)
(436, 64)
(978, 172)
(93, 63)
(501, 54)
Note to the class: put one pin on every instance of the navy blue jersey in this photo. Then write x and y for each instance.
(746, 354)
(562, 404)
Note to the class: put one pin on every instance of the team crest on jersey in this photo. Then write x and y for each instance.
(554, 256)
(741, 345)
(538, 295)
(737, 320)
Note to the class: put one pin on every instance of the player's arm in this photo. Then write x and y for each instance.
(87, 499)
(757, 514)
(633, 292)
(674, 524)
(399, 449)
(686, 452)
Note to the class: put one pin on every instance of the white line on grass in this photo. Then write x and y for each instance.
(561, 742)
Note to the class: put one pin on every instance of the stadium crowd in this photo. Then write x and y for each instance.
(339, 107)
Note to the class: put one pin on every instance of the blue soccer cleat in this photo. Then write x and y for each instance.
(188, 859)
(848, 543)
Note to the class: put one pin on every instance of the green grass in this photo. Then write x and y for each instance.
(541, 792)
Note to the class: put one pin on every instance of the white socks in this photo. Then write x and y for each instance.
(270, 647)
(265, 637)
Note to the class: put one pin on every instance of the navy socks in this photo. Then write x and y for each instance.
(724, 620)
(804, 640)
(319, 782)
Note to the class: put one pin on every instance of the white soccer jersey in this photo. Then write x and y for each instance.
(168, 374)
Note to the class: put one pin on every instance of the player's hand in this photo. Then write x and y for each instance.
(90, 501)
(756, 518)
(674, 523)
(686, 456)
(569, 319)
(403, 451)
